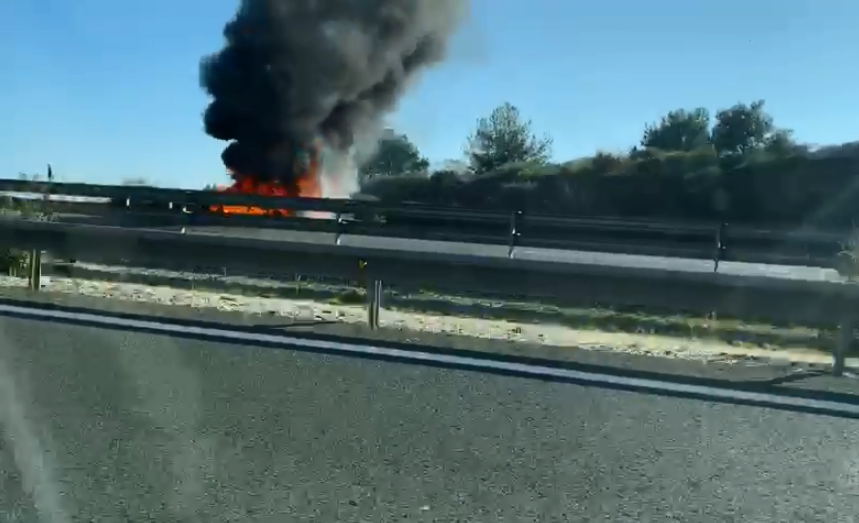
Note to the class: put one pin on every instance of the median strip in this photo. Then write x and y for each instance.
(603, 329)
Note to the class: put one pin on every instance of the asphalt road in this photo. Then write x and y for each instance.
(102, 425)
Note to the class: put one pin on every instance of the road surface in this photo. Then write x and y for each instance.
(113, 425)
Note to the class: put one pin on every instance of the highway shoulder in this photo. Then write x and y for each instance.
(755, 373)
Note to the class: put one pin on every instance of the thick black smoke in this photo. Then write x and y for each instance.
(294, 71)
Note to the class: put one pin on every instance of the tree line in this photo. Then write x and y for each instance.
(735, 165)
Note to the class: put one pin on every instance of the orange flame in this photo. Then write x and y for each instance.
(307, 186)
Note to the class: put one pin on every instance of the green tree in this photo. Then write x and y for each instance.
(504, 138)
(396, 155)
(679, 130)
(743, 128)
(782, 143)
(455, 166)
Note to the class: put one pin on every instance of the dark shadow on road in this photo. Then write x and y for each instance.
(294, 325)
(793, 378)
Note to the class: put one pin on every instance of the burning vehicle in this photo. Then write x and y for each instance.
(307, 184)
(298, 80)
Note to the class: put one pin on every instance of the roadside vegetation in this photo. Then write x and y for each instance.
(14, 261)
(736, 165)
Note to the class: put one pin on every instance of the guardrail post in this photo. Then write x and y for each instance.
(374, 295)
(374, 303)
(34, 270)
(514, 232)
(843, 342)
(720, 245)
(339, 218)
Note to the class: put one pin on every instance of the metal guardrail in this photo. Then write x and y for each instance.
(719, 242)
(819, 304)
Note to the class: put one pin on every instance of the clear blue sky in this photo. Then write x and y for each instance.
(108, 89)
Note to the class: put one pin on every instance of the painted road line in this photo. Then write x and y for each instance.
(464, 362)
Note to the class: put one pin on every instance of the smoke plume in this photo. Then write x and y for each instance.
(297, 71)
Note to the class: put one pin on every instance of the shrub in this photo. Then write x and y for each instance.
(13, 261)
(759, 188)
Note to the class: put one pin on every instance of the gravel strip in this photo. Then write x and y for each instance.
(544, 334)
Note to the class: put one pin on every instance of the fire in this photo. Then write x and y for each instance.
(307, 186)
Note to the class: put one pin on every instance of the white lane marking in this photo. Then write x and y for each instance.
(460, 361)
